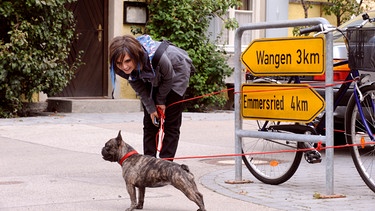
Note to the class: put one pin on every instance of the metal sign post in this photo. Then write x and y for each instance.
(239, 132)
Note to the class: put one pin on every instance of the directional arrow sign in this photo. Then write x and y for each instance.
(285, 56)
(283, 102)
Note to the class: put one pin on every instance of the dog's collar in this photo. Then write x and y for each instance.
(126, 156)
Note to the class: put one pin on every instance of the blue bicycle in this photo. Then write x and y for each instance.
(276, 168)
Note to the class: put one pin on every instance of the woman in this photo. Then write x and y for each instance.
(158, 88)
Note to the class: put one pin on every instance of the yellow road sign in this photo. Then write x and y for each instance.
(283, 102)
(285, 56)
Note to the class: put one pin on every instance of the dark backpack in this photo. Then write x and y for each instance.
(150, 45)
(155, 53)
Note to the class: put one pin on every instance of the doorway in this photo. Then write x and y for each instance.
(91, 78)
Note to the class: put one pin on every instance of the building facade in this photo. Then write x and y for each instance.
(98, 21)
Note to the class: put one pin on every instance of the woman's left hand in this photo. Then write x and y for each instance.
(161, 107)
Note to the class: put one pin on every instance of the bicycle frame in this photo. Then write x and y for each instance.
(363, 118)
(339, 94)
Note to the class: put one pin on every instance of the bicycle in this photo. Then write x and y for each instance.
(277, 168)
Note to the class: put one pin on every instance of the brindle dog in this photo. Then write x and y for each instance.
(145, 171)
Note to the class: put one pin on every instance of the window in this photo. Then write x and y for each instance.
(224, 37)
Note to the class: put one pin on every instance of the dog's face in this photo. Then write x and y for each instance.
(111, 149)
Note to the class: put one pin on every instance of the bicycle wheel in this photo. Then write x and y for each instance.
(271, 168)
(363, 154)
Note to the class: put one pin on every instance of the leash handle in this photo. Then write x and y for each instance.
(160, 134)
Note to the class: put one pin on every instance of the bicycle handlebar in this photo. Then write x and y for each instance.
(317, 28)
(328, 28)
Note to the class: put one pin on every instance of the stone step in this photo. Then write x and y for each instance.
(92, 105)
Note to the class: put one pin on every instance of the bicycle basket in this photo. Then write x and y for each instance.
(361, 48)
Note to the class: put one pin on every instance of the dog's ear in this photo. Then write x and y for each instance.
(119, 138)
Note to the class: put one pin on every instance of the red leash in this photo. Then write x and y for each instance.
(160, 134)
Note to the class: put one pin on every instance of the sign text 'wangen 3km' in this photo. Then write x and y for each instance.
(283, 102)
(285, 56)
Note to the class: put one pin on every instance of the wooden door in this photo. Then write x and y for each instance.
(91, 78)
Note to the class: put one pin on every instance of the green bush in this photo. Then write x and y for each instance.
(35, 40)
(185, 23)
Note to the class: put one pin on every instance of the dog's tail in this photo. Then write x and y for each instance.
(185, 167)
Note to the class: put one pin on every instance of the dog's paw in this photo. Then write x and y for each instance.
(139, 207)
